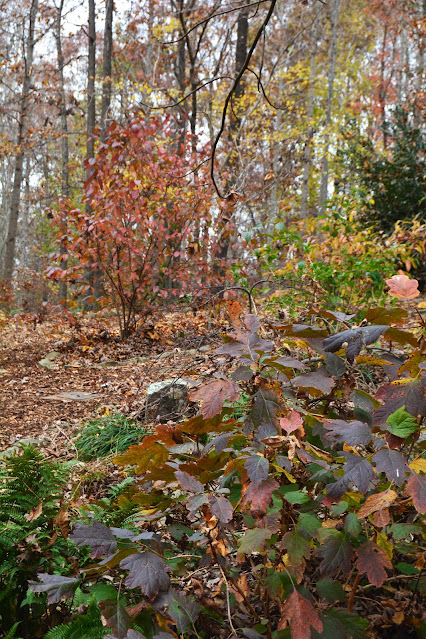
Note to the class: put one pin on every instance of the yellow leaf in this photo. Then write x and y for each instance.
(378, 501)
(418, 465)
(398, 617)
(383, 542)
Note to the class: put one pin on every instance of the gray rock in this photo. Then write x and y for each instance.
(205, 348)
(31, 441)
(167, 398)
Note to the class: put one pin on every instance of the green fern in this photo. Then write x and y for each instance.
(11, 634)
(31, 489)
(87, 626)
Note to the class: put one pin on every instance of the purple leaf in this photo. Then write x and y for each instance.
(55, 586)
(146, 571)
(352, 433)
(336, 552)
(221, 508)
(316, 379)
(181, 609)
(187, 482)
(257, 468)
(359, 471)
(115, 616)
(393, 464)
(98, 536)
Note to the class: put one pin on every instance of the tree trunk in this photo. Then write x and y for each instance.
(307, 151)
(181, 78)
(9, 259)
(107, 66)
(240, 58)
(64, 132)
(334, 19)
(91, 73)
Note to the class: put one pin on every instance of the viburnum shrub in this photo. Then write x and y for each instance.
(143, 228)
(279, 521)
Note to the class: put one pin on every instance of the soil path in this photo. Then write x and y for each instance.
(91, 364)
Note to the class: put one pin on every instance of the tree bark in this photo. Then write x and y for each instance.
(9, 259)
(334, 19)
(240, 58)
(307, 152)
(64, 131)
(91, 76)
(107, 66)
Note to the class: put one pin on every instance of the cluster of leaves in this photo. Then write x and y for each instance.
(143, 231)
(314, 494)
(107, 435)
(334, 252)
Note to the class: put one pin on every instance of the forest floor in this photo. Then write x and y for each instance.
(54, 376)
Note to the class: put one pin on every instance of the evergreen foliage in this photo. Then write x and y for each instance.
(390, 182)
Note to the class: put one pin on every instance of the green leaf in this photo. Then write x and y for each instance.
(297, 545)
(407, 569)
(308, 524)
(293, 495)
(402, 531)
(352, 525)
(339, 624)
(330, 590)
(253, 540)
(401, 423)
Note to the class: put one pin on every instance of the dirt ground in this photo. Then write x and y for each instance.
(41, 361)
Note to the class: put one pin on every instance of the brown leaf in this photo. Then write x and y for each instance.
(378, 501)
(403, 287)
(373, 560)
(62, 520)
(149, 454)
(381, 518)
(34, 512)
(301, 615)
(234, 310)
(213, 394)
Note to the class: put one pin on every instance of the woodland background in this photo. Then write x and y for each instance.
(212, 330)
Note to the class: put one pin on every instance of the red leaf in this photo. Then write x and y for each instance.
(213, 394)
(301, 615)
(373, 560)
(291, 423)
(258, 496)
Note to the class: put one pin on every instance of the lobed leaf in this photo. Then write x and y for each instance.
(373, 560)
(146, 571)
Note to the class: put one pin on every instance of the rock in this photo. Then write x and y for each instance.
(205, 348)
(17, 447)
(31, 441)
(167, 398)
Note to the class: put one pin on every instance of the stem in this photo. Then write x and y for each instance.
(353, 591)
